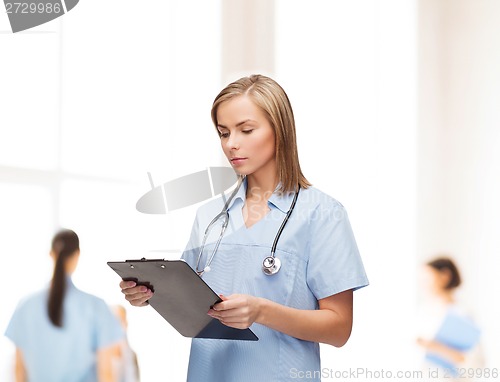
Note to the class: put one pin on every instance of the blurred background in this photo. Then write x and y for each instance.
(397, 111)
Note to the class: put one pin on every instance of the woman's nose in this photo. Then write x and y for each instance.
(233, 142)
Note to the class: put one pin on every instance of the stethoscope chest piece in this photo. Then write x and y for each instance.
(271, 265)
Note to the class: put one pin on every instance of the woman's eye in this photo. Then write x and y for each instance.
(247, 131)
(224, 135)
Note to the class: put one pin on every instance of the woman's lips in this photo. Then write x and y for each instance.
(238, 161)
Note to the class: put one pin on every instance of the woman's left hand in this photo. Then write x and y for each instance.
(238, 311)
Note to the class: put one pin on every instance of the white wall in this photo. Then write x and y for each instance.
(114, 94)
(88, 104)
(459, 140)
(350, 71)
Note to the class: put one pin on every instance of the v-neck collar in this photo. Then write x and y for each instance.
(281, 202)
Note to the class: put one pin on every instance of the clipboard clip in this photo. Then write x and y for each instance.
(134, 279)
(143, 259)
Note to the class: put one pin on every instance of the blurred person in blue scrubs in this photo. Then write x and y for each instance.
(310, 299)
(62, 334)
(449, 335)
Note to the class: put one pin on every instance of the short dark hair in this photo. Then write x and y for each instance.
(445, 264)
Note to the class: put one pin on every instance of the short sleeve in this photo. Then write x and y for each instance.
(193, 244)
(334, 263)
(108, 329)
(16, 328)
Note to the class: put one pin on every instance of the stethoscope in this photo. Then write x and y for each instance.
(271, 264)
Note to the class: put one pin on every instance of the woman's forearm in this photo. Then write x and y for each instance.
(105, 371)
(20, 370)
(322, 325)
(444, 351)
(330, 324)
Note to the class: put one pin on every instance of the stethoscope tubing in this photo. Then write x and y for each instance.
(290, 210)
(271, 264)
(225, 214)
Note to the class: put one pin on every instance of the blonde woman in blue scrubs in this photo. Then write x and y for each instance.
(310, 299)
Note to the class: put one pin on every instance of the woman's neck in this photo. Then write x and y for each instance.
(260, 187)
(446, 297)
(262, 183)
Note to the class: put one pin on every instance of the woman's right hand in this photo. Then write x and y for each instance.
(136, 295)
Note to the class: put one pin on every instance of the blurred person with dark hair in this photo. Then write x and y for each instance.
(447, 277)
(61, 333)
(451, 342)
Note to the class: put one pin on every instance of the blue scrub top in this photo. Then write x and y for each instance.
(64, 354)
(319, 258)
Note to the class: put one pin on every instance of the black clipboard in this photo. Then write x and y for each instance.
(181, 297)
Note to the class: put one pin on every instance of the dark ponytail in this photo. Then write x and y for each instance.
(64, 244)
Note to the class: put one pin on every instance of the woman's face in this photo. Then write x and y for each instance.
(247, 137)
(436, 280)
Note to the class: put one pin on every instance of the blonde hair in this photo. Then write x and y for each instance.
(270, 97)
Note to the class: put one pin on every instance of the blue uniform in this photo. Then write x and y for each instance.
(63, 354)
(319, 258)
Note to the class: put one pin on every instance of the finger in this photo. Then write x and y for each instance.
(127, 284)
(236, 325)
(231, 314)
(138, 298)
(215, 314)
(134, 290)
(218, 306)
(225, 305)
(241, 321)
(140, 303)
(138, 295)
